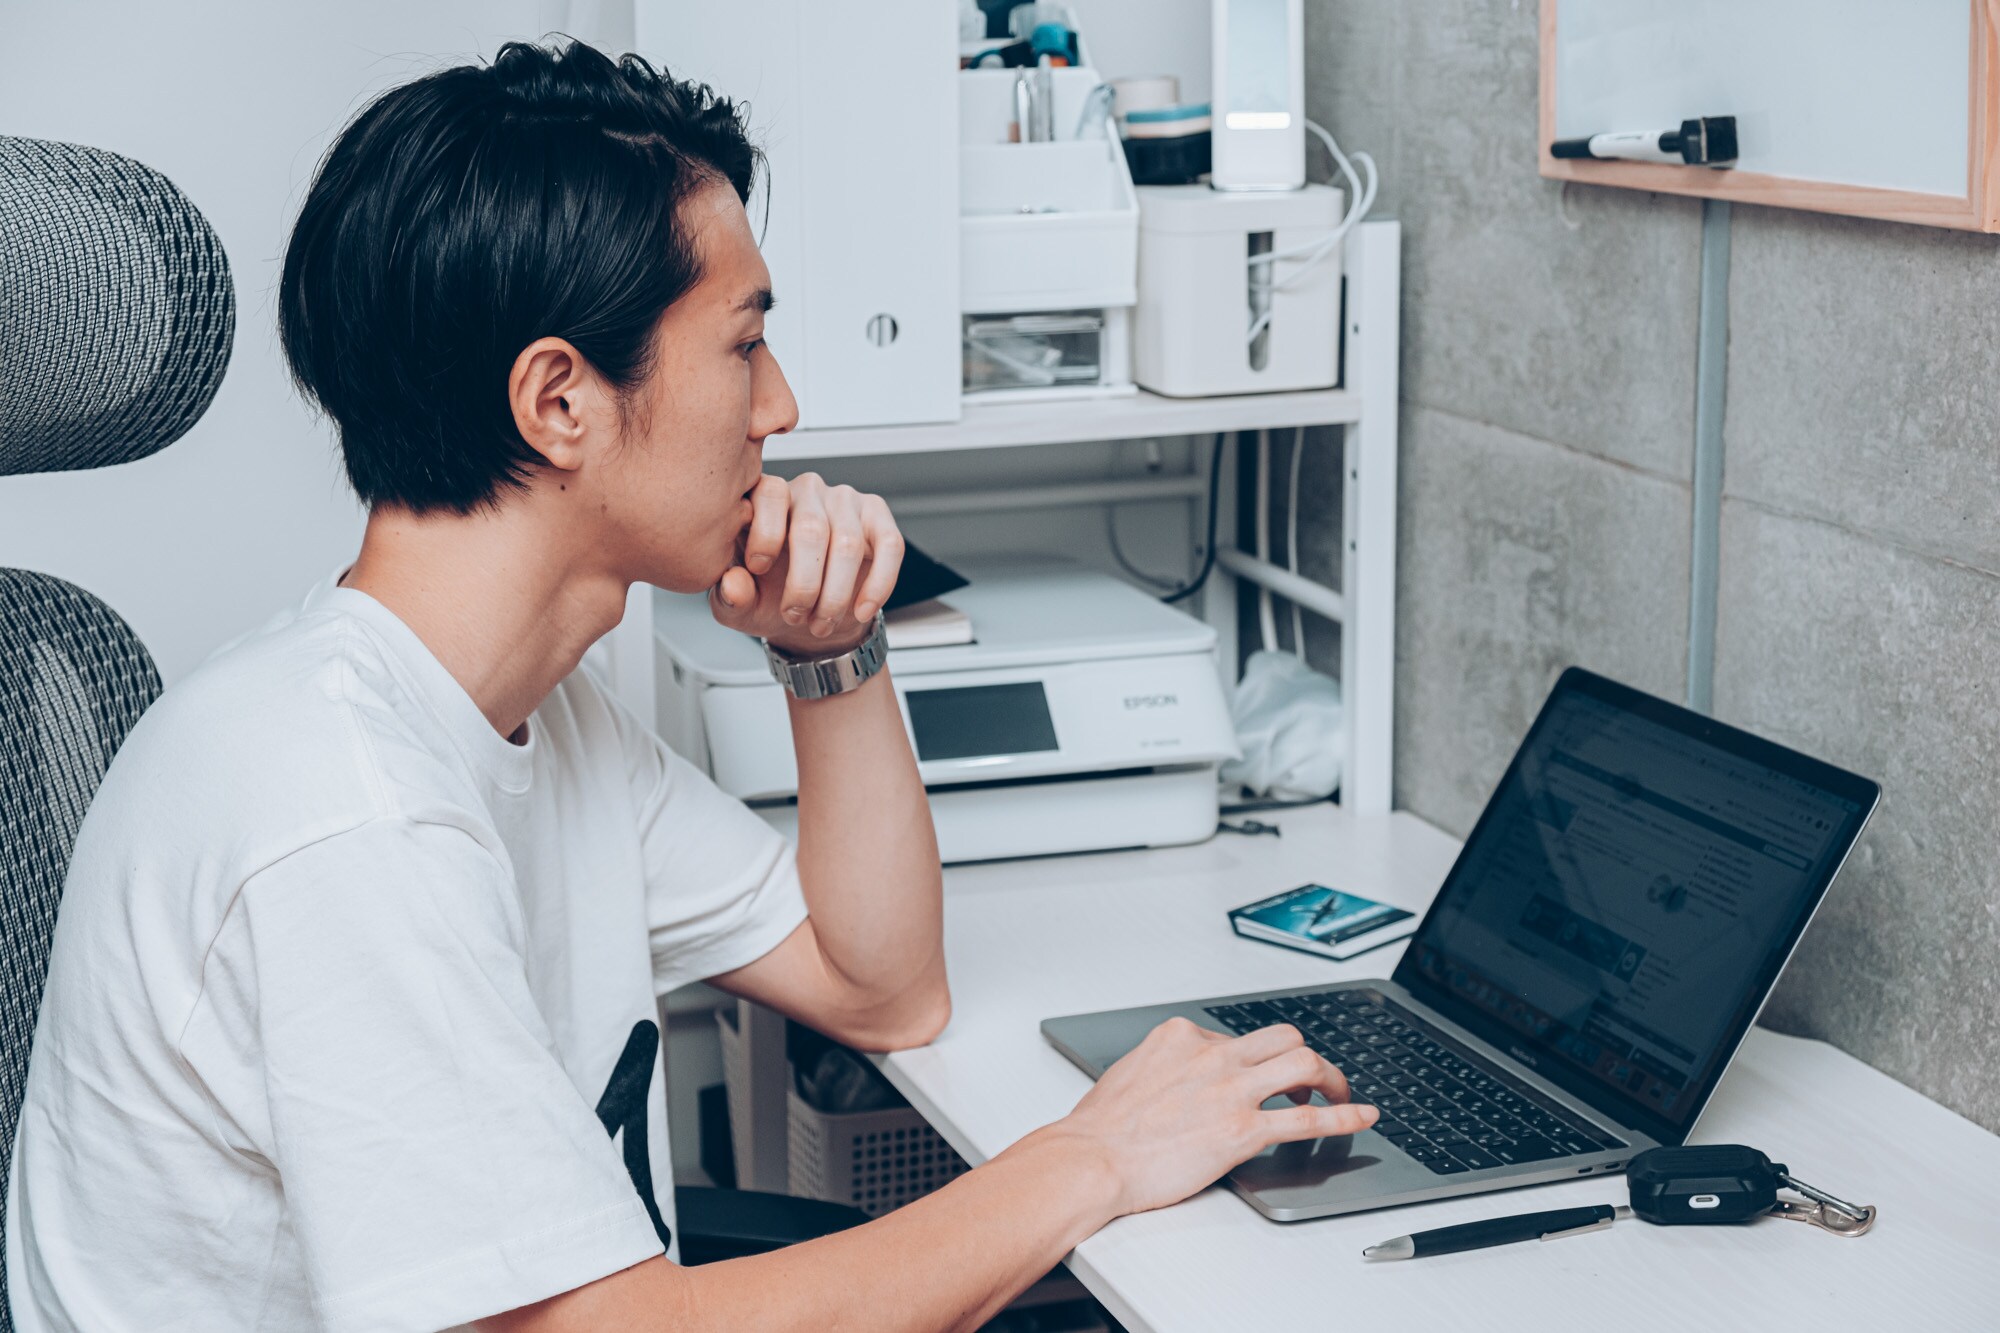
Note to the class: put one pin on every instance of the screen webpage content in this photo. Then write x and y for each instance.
(1630, 883)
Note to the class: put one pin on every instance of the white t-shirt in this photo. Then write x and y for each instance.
(351, 1017)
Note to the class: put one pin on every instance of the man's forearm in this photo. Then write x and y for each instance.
(950, 1260)
(868, 860)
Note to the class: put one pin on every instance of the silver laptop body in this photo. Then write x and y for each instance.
(1744, 808)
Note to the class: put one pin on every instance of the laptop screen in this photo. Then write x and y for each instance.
(1629, 895)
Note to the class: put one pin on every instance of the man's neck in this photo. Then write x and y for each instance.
(507, 609)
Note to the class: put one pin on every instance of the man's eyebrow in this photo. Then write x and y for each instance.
(760, 300)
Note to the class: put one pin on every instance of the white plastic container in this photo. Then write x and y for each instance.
(1046, 226)
(1198, 301)
(1046, 231)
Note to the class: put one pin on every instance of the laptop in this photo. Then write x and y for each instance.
(1605, 939)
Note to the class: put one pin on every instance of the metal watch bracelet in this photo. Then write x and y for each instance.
(824, 677)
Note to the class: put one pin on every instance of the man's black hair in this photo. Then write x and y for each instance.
(462, 216)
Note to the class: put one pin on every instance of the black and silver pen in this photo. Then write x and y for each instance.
(1500, 1231)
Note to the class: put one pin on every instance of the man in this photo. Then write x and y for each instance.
(350, 1021)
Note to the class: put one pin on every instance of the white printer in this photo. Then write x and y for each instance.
(1086, 715)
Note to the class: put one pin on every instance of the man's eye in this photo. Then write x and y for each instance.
(749, 349)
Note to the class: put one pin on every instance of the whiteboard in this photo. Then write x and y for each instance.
(1871, 93)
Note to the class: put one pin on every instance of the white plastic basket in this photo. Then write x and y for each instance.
(874, 1160)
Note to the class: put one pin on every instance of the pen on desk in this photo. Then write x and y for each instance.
(1500, 1231)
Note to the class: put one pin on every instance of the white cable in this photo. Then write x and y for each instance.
(1314, 253)
(1310, 258)
(1267, 620)
(1360, 199)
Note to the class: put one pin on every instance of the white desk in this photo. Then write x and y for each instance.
(1031, 939)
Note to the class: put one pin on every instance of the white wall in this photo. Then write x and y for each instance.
(234, 101)
(1134, 38)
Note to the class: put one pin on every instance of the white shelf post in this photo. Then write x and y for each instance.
(1368, 527)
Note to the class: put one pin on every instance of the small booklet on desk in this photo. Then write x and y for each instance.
(1316, 919)
(931, 624)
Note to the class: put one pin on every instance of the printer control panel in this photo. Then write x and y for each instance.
(977, 721)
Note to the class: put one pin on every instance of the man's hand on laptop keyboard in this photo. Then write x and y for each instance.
(1186, 1104)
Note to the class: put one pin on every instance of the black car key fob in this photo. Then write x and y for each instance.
(1703, 1186)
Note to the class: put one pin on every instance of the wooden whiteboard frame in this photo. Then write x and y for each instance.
(1978, 209)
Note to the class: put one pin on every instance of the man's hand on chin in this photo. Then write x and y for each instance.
(866, 967)
(815, 565)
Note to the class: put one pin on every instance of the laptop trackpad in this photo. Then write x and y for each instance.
(1305, 1165)
(1310, 1163)
(1307, 1162)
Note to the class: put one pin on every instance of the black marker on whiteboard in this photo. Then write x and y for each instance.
(1707, 142)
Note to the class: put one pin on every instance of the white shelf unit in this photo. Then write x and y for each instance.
(1365, 406)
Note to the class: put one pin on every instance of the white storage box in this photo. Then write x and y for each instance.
(1045, 226)
(857, 224)
(1049, 354)
(1047, 231)
(1197, 303)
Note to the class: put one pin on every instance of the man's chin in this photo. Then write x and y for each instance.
(683, 576)
(682, 582)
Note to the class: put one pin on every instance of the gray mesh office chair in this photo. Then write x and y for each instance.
(116, 317)
(116, 320)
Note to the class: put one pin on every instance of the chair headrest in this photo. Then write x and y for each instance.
(116, 309)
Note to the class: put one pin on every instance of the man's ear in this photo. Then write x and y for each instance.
(555, 397)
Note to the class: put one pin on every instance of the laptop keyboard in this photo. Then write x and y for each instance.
(1440, 1104)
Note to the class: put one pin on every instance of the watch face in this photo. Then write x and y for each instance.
(819, 678)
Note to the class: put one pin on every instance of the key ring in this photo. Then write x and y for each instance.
(1834, 1220)
(1864, 1215)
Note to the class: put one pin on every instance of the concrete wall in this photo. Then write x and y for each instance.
(1860, 613)
(1548, 379)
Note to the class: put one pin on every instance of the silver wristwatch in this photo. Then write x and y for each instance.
(823, 677)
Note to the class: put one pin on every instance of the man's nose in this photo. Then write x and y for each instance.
(774, 409)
